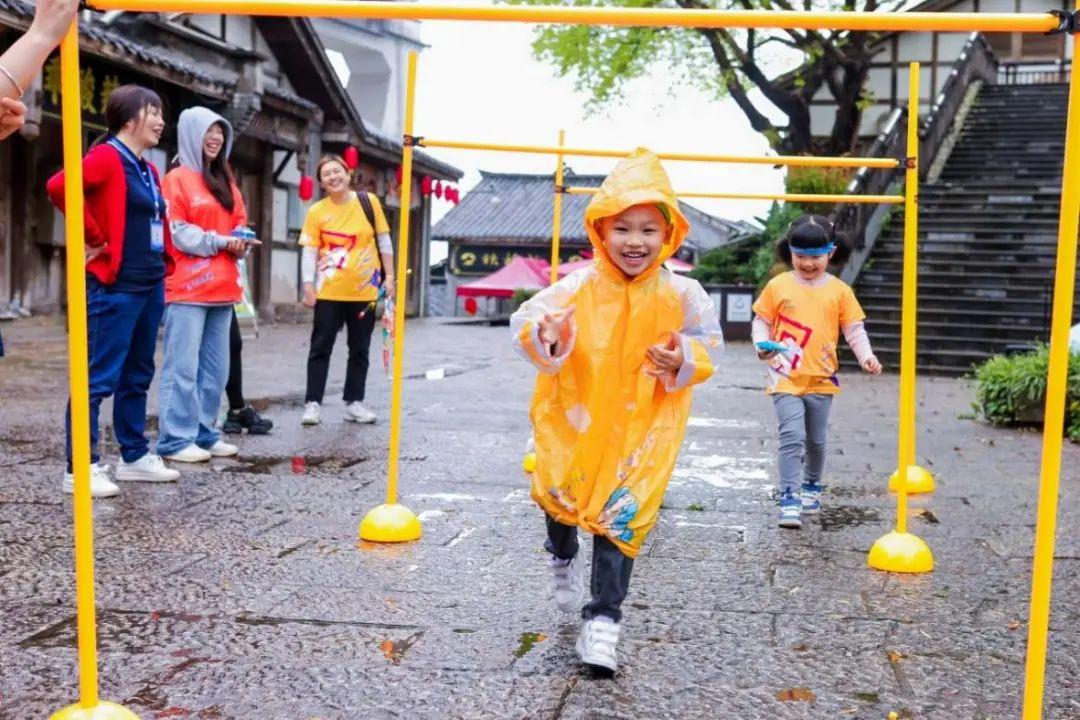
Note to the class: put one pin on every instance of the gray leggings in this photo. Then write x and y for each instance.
(803, 420)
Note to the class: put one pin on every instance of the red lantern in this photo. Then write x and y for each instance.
(400, 175)
(425, 185)
(307, 188)
(470, 306)
(438, 189)
(457, 196)
(352, 157)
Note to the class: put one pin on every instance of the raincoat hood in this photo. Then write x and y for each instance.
(191, 130)
(639, 179)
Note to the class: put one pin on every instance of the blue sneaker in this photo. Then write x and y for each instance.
(790, 509)
(811, 498)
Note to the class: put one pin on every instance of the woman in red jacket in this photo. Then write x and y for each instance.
(128, 256)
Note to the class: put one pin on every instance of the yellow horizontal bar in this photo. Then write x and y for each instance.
(785, 197)
(579, 15)
(785, 160)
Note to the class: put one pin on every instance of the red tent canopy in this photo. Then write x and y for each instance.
(521, 273)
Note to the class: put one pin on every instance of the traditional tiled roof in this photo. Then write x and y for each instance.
(514, 207)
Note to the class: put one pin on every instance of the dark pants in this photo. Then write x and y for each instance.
(234, 388)
(610, 579)
(122, 331)
(359, 321)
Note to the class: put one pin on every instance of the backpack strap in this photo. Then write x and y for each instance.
(369, 215)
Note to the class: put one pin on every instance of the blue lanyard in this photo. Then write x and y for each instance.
(144, 171)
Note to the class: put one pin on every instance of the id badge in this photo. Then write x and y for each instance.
(157, 236)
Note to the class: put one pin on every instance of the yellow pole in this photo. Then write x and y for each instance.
(89, 706)
(402, 277)
(906, 435)
(392, 522)
(556, 220)
(779, 160)
(1053, 424)
(786, 197)
(899, 550)
(613, 16)
(79, 366)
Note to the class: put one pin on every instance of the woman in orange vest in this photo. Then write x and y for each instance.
(209, 226)
(347, 257)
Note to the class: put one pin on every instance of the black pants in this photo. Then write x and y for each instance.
(610, 578)
(234, 389)
(359, 321)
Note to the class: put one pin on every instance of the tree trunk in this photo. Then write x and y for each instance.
(845, 130)
(798, 140)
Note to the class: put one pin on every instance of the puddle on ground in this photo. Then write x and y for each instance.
(286, 464)
(926, 516)
(529, 640)
(445, 497)
(846, 516)
(722, 471)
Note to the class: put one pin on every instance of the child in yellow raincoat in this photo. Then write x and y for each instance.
(618, 345)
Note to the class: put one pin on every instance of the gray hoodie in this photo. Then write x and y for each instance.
(191, 130)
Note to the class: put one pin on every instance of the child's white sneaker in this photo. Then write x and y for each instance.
(568, 579)
(596, 644)
(101, 486)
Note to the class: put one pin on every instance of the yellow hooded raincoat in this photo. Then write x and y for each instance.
(607, 434)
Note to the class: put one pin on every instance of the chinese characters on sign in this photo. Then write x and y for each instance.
(486, 259)
(95, 86)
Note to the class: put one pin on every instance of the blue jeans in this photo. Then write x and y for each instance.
(193, 375)
(122, 331)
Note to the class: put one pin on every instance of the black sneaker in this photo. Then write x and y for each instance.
(247, 419)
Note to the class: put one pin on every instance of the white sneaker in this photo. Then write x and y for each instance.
(223, 449)
(100, 484)
(148, 468)
(568, 579)
(596, 644)
(191, 454)
(357, 413)
(311, 414)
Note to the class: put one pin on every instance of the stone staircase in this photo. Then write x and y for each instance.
(987, 238)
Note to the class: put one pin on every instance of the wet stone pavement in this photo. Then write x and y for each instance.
(241, 592)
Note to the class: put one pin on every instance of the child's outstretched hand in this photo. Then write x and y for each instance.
(667, 358)
(552, 326)
(872, 365)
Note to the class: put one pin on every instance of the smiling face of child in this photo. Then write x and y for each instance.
(810, 267)
(633, 238)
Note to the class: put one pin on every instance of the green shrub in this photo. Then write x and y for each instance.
(817, 181)
(1012, 389)
(751, 261)
(520, 297)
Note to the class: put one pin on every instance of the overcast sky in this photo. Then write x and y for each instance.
(480, 82)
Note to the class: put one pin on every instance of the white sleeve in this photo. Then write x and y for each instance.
(308, 260)
(858, 341)
(386, 246)
(702, 338)
(525, 327)
(760, 329)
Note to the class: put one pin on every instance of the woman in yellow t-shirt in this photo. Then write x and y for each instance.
(803, 311)
(347, 258)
